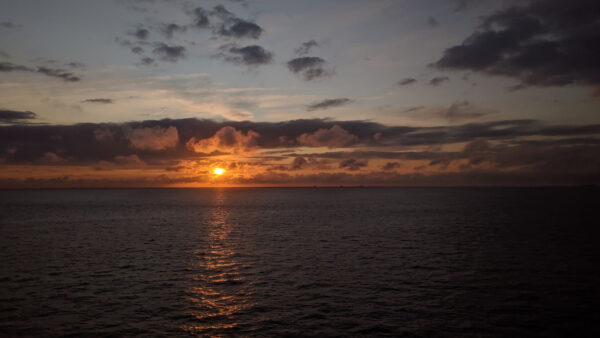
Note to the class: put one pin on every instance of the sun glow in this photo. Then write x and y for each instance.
(218, 171)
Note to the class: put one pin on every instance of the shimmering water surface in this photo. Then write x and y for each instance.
(304, 262)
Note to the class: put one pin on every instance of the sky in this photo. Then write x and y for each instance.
(160, 93)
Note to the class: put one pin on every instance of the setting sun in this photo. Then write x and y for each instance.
(219, 171)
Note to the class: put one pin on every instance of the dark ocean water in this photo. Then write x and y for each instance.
(300, 262)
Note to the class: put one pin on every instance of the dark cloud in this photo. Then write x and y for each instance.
(171, 53)
(309, 67)
(391, 166)
(461, 5)
(201, 19)
(432, 22)
(16, 117)
(52, 72)
(233, 26)
(98, 100)
(146, 61)
(141, 33)
(249, 55)
(329, 103)
(460, 110)
(407, 81)
(305, 47)
(169, 30)
(9, 25)
(137, 50)
(298, 163)
(76, 65)
(11, 67)
(59, 73)
(353, 164)
(436, 81)
(543, 43)
(241, 29)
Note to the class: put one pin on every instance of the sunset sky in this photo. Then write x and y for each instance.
(158, 93)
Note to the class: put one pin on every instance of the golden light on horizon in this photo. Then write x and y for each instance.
(218, 171)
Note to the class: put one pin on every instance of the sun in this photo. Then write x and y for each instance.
(219, 171)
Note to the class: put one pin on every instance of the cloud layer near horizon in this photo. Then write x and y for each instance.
(298, 152)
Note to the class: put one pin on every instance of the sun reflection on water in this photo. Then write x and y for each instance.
(219, 291)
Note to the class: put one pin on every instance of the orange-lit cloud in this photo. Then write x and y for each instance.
(226, 140)
(334, 137)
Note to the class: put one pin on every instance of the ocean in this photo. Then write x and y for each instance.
(417, 262)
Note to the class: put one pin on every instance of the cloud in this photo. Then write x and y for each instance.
(253, 55)
(462, 5)
(50, 158)
(226, 140)
(59, 73)
(51, 72)
(169, 30)
(432, 22)
(460, 110)
(16, 117)
(9, 25)
(171, 53)
(391, 166)
(335, 137)
(98, 100)
(147, 61)
(407, 81)
(11, 67)
(328, 103)
(309, 67)
(201, 17)
(298, 163)
(436, 81)
(155, 138)
(233, 26)
(137, 50)
(541, 43)
(353, 164)
(305, 47)
(141, 34)
(167, 140)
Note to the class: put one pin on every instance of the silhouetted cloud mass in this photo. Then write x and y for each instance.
(543, 43)
(16, 117)
(328, 103)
